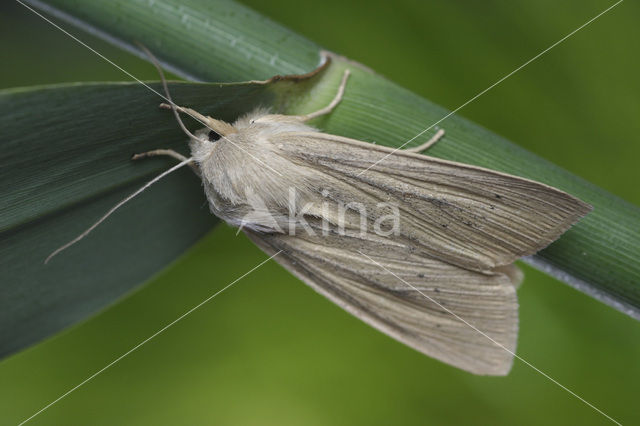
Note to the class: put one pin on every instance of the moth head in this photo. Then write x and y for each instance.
(215, 130)
(207, 138)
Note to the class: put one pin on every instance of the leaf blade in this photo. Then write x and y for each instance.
(62, 171)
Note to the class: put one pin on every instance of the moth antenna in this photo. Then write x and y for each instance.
(156, 64)
(116, 207)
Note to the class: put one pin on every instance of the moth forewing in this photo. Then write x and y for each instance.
(465, 215)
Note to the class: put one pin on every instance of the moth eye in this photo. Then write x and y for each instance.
(213, 136)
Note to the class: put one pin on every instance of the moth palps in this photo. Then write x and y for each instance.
(420, 248)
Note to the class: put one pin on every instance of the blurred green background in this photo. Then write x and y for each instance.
(271, 351)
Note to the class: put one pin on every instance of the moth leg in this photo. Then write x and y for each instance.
(428, 144)
(169, 153)
(334, 103)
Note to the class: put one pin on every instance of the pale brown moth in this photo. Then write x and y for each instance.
(457, 229)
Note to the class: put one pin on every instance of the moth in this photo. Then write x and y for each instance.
(438, 276)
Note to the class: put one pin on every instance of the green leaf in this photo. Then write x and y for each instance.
(206, 40)
(65, 162)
